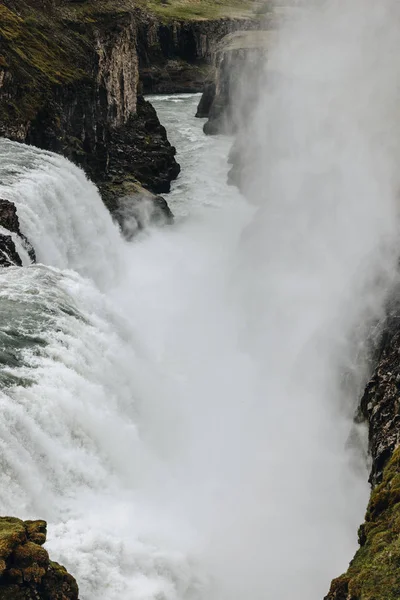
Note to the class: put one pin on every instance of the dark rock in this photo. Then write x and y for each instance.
(380, 404)
(9, 256)
(374, 572)
(26, 572)
(178, 56)
(240, 58)
(9, 220)
(139, 209)
(8, 216)
(206, 101)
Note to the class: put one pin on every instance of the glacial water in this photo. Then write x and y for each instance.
(179, 408)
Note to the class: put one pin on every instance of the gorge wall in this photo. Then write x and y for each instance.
(71, 81)
(181, 56)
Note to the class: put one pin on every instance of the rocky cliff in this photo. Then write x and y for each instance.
(374, 573)
(240, 59)
(69, 82)
(26, 571)
(179, 56)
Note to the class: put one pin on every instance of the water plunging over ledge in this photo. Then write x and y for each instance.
(174, 406)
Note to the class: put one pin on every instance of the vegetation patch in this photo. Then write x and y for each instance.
(33, 45)
(192, 10)
(374, 573)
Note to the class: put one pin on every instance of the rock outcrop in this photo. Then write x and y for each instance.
(9, 225)
(26, 571)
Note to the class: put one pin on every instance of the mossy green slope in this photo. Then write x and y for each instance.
(38, 51)
(189, 10)
(374, 573)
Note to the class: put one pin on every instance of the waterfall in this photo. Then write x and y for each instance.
(59, 211)
(179, 408)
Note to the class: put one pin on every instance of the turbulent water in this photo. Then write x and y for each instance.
(179, 408)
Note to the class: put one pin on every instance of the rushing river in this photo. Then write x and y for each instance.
(173, 406)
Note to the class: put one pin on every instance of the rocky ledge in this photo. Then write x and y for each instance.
(26, 571)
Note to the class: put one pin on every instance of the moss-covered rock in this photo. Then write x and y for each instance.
(26, 572)
(374, 573)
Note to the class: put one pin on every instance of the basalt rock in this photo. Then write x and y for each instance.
(240, 59)
(178, 56)
(9, 256)
(206, 101)
(10, 223)
(26, 571)
(374, 573)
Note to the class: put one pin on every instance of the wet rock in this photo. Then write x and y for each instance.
(9, 256)
(26, 572)
(8, 216)
(138, 209)
(374, 573)
(206, 101)
(9, 221)
(240, 59)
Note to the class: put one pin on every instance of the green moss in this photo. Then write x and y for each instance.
(31, 42)
(12, 533)
(192, 10)
(168, 10)
(374, 573)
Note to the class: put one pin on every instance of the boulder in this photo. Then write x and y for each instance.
(26, 571)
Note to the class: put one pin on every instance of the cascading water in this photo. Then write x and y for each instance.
(175, 406)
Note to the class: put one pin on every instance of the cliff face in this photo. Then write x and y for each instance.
(69, 78)
(240, 59)
(374, 573)
(26, 571)
(179, 56)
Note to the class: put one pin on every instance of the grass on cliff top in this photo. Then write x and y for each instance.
(30, 41)
(374, 573)
(196, 10)
(167, 10)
